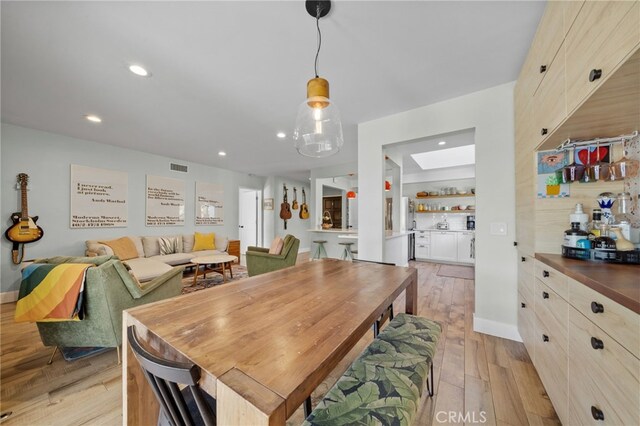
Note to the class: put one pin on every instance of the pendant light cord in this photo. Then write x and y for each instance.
(315, 66)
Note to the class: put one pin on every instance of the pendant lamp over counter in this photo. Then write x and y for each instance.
(351, 195)
(318, 129)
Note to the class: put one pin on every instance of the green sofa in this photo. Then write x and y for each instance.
(109, 289)
(259, 261)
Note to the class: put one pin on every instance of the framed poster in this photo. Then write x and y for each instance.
(267, 204)
(209, 204)
(98, 198)
(165, 201)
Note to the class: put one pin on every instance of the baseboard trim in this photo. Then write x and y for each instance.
(495, 328)
(8, 296)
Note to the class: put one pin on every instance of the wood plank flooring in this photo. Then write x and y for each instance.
(478, 378)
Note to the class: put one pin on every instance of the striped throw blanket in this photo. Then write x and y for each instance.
(51, 292)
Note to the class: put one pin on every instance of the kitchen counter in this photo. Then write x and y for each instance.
(446, 230)
(335, 230)
(620, 283)
(389, 235)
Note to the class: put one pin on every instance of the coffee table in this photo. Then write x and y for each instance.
(222, 260)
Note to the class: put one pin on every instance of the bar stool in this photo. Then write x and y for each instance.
(346, 254)
(354, 253)
(320, 251)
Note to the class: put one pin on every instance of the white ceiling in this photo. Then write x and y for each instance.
(230, 75)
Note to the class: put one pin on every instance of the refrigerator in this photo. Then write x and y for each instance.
(408, 223)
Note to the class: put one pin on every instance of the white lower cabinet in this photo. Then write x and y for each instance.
(444, 246)
(466, 242)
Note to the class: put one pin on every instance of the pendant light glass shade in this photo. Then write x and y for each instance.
(318, 131)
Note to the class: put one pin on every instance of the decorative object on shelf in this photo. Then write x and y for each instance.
(387, 185)
(605, 201)
(351, 195)
(318, 129)
(550, 171)
(24, 229)
(622, 244)
(327, 223)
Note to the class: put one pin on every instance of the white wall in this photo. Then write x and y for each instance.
(273, 225)
(490, 113)
(46, 158)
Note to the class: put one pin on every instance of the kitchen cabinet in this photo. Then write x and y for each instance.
(584, 346)
(550, 106)
(423, 244)
(466, 247)
(444, 246)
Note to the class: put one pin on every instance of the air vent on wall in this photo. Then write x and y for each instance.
(179, 167)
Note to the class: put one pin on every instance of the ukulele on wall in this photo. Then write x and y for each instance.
(294, 205)
(24, 229)
(304, 209)
(285, 209)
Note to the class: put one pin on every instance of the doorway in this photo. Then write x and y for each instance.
(249, 220)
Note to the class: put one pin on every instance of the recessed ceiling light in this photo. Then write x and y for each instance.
(222, 153)
(93, 118)
(281, 135)
(442, 143)
(138, 70)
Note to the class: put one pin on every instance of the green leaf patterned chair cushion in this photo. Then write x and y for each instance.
(384, 385)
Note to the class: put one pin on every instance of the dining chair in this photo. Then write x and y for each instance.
(189, 406)
(388, 313)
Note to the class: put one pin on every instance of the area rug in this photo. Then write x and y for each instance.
(213, 279)
(455, 271)
(72, 354)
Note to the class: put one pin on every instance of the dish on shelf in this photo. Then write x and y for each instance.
(433, 193)
(462, 192)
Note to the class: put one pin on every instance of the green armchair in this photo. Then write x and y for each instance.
(259, 261)
(109, 289)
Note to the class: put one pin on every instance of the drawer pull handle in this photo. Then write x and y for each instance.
(545, 274)
(523, 305)
(543, 68)
(523, 259)
(545, 338)
(597, 343)
(595, 74)
(597, 308)
(596, 413)
(544, 131)
(545, 295)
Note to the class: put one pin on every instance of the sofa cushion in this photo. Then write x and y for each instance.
(100, 249)
(276, 246)
(187, 242)
(123, 247)
(174, 258)
(137, 241)
(170, 245)
(204, 241)
(151, 246)
(145, 269)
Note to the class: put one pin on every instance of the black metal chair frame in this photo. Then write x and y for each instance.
(164, 376)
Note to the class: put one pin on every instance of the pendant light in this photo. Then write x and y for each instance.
(351, 195)
(318, 129)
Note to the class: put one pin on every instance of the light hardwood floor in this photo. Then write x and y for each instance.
(487, 379)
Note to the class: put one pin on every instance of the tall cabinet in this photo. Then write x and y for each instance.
(580, 80)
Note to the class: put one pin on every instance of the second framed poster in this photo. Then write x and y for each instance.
(165, 201)
(209, 204)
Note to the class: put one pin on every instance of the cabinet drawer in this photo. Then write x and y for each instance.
(552, 365)
(526, 323)
(553, 311)
(423, 236)
(603, 34)
(620, 323)
(607, 379)
(525, 277)
(554, 279)
(423, 251)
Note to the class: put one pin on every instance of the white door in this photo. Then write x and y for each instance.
(248, 219)
(444, 246)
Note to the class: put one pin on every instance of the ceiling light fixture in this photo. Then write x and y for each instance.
(387, 185)
(281, 135)
(442, 143)
(93, 118)
(318, 129)
(222, 153)
(138, 70)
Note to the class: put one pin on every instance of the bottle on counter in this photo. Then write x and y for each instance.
(604, 242)
(596, 220)
(571, 236)
(579, 216)
(622, 218)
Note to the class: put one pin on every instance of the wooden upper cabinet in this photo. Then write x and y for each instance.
(550, 106)
(570, 13)
(548, 39)
(603, 34)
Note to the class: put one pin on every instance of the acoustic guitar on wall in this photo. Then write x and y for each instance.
(294, 205)
(285, 209)
(304, 209)
(24, 229)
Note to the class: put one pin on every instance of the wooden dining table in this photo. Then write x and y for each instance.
(263, 344)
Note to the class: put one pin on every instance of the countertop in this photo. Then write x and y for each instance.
(390, 235)
(335, 230)
(620, 283)
(446, 230)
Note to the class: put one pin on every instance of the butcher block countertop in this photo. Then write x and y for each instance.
(620, 283)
